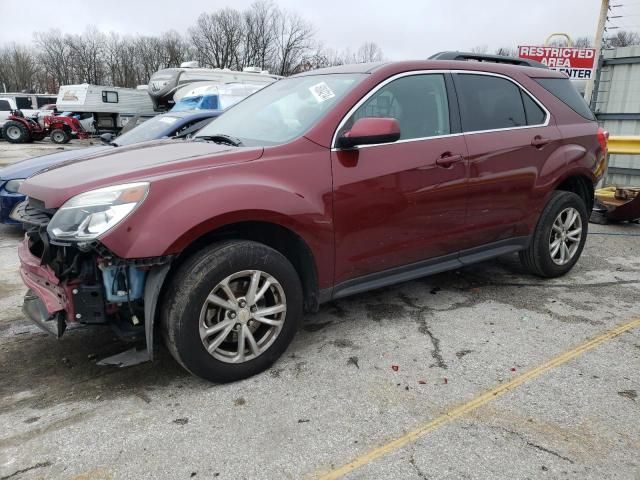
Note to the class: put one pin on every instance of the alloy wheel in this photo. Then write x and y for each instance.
(242, 316)
(566, 234)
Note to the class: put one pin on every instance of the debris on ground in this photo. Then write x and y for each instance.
(422, 382)
(303, 420)
(434, 290)
(353, 361)
(238, 402)
(395, 368)
(181, 421)
(630, 394)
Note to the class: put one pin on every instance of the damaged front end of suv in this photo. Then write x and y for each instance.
(73, 279)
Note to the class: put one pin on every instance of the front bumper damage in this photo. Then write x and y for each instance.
(45, 303)
(88, 285)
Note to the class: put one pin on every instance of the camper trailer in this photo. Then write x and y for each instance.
(107, 109)
(164, 83)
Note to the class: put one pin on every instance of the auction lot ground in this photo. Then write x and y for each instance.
(363, 372)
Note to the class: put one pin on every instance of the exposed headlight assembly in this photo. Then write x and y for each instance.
(12, 186)
(88, 215)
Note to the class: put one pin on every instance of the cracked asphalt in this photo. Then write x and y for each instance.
(362, 372)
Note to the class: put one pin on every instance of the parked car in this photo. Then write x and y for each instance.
(168, 125)
(321, 185)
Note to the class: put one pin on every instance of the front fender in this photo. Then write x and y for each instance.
(294, 192)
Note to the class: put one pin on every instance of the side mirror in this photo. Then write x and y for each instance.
(106, 138)
(367, 131)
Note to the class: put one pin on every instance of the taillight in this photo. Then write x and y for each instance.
(603, 139)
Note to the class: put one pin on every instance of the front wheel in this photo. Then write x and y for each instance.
(59, 136)
(559, 237)
(231, 310)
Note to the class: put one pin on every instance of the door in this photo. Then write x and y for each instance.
(402, 202)
(509, 136)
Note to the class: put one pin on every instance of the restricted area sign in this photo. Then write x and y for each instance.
(575, 62)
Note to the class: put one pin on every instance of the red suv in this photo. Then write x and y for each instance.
(319, 186)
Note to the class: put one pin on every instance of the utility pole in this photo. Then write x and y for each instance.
(597, 43)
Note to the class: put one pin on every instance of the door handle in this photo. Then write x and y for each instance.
(539, 141)
(447, 159)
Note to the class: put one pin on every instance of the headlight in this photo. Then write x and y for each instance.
(13, 186)
(88, 215)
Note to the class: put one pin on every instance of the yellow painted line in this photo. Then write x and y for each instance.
(478, 401)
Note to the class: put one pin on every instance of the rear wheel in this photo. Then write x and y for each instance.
(231, 310)
(60, 136)
(15, 132)
(559, 237)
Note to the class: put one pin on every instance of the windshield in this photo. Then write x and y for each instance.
(199, 102)
(149, 130)
(283, 111)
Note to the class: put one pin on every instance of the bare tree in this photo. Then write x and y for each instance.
(369, 52)
(480, 49)
(55, 56)
(18, 68)
(218, 37)
(87, 55)
(623, 38)
(259, 34)
(506, 52)
(292, 41)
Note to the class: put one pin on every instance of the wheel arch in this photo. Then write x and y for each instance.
(275, 235)
(581, 185)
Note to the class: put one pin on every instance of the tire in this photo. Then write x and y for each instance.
(187, 313)
(538, 258)
(15, 132)
(60, 136)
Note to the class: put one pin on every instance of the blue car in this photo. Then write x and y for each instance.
(173, 124)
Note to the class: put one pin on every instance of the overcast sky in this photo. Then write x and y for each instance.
(402, 28)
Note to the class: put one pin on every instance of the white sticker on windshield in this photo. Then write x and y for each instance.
(321, 92)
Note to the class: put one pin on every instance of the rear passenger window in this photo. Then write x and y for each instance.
(488, 103)
(535, 115)
(4, 106)
(418, 102)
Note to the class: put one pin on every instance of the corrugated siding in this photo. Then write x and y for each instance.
(619, 92)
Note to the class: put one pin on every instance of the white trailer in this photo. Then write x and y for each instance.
(110, 107)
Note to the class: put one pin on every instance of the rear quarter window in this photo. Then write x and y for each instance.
(562, 89)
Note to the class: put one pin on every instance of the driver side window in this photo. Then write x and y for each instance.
(418, 102)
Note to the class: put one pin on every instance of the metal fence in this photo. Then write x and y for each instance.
(617, 105)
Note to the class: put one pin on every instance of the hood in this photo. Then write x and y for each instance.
(139, 162)
(26, 168)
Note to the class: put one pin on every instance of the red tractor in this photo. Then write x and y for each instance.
(20, 129)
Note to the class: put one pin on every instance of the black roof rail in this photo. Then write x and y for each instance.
(483, 57)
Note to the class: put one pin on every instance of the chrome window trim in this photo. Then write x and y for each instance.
(334, 148)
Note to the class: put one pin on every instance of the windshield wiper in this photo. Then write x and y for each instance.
(221, 138)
